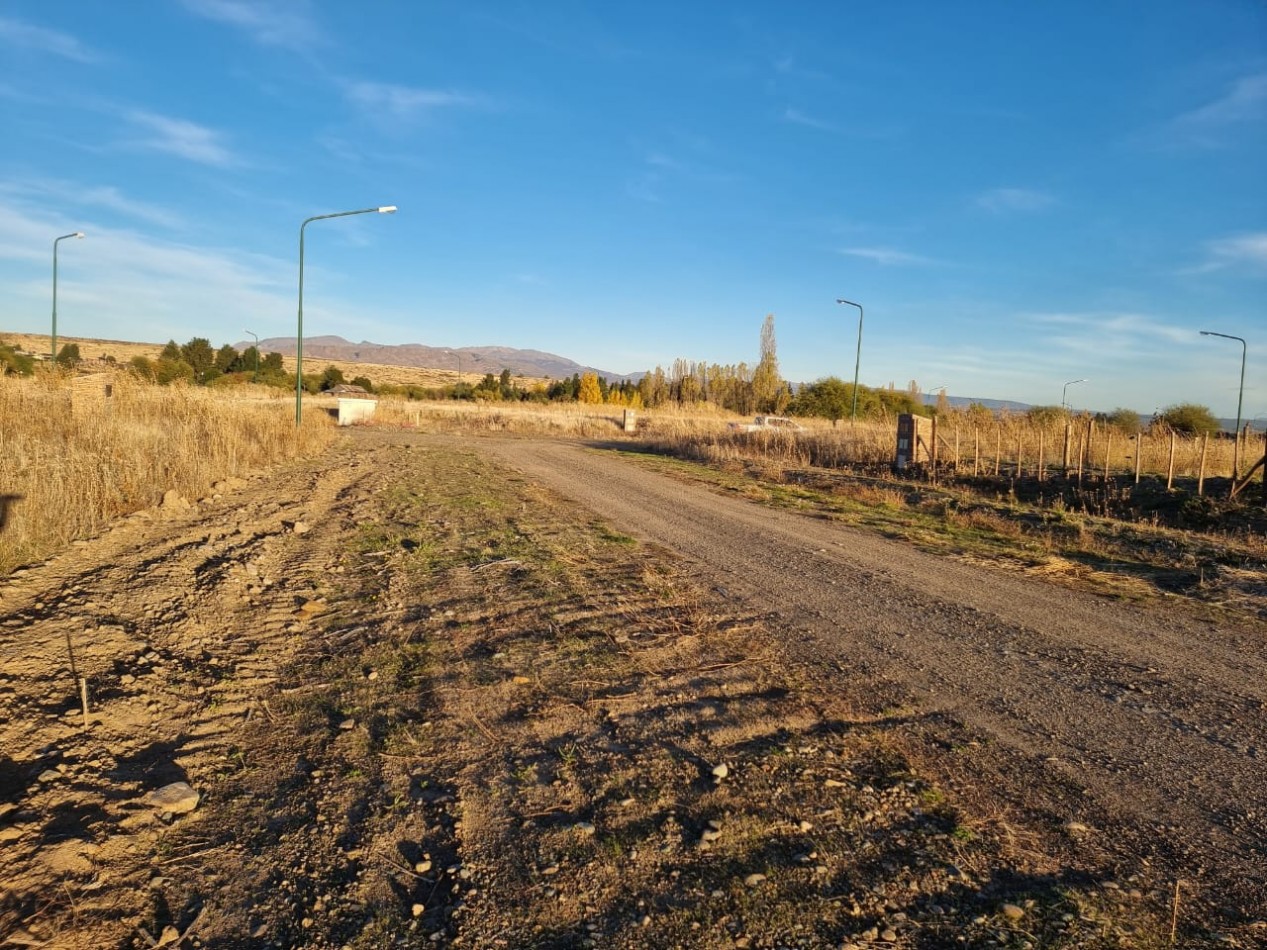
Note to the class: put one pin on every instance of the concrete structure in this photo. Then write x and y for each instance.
(355, 404)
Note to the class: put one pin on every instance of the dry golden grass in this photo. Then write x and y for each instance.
(76, 459)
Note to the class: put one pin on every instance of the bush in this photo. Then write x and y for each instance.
(1190, 418)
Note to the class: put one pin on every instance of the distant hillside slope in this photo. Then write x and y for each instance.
(475, 359)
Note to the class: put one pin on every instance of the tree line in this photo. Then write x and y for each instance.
(737, 388)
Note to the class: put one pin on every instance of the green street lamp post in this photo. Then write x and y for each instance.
(1236, 451)
(299, 338)
(255, 377)
(857, 360)
(1065, 391)
(77, 234)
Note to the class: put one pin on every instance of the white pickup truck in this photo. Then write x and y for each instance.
(768, 424)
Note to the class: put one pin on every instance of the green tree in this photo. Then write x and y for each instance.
(1127, 420)
(69, 354)
(272, 364)
(171, 351)
(144, 367)
(333, 376)
(1190, 418)
(170, 371)
(364, 383)
(227, 359)
(827, 398)
(199, 355)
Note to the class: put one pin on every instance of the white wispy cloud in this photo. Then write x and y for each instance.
(887, 256)
(1004, 200)
(1240, 251)
(404, 102)
(797, 117)
(75, 194)
(183, 138)
(268, 22)
(44, 40)
(1097, 333)
(1208, 126)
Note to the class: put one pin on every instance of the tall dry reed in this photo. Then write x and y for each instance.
(75, 458)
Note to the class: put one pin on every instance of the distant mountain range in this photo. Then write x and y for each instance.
(474, 359)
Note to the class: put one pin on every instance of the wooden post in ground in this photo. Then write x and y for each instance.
(1068, 438)
(956, 450)
(976, 451)
(1018, 453)
(933, 452)
(1108, 449)
(1041, 434)
(1082, 455)
(1265, 468)
(1139, 451)
(1205, 444)
(998, 448)
(1170, 469)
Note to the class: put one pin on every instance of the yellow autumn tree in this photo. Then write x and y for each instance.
(589, 390)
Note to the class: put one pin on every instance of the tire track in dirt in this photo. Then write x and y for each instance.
(182, 620)
(1144, 722)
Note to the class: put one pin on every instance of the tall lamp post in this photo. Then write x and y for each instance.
(1064, 392)
(77, 234)
(255, 377)
(1236, 450)
(299, 338)
(857, 360)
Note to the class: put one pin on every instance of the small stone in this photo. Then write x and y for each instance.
(50, 775)
(626, 802)
(418, 910)
(1076, 827)
(754, 880)
(584, 828)
(347, 724)
(372, 675)
(422, 867)
(521, 680)
(805, 826)
(1012, 912)
(890, 935)
(300, 527)
(721, 771)
(832, 783)
(709, 834)
(177, 798)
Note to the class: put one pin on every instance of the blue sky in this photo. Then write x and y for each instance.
(1019, 194)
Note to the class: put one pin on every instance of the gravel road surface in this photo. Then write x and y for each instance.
(1144, 723)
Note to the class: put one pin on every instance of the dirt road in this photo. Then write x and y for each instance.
(1145, 724)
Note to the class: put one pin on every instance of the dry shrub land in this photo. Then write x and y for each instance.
(73, 459)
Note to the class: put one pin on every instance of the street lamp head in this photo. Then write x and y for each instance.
(387, 209)
(79, 234)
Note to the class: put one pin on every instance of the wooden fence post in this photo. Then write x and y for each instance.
(1068, 437)
(1108, 448)
(1139, 452)
(933, 451)
(1041, 434)
(976, 451)
(956, 450)
(998, 448)
(1170, 469)
(1205, 443)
